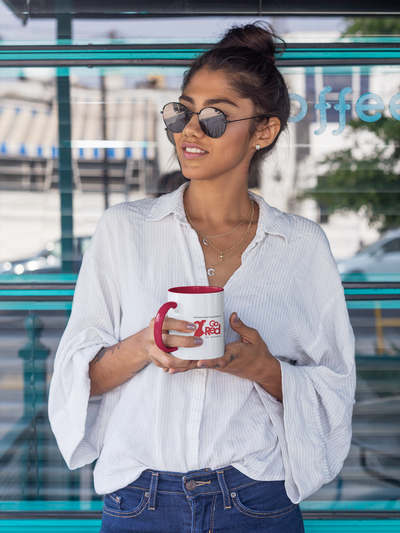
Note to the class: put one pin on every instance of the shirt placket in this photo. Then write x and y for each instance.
(196, 408)
(196, 256)
(198, 376)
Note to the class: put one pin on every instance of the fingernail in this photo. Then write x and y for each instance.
(191, 326)
(175, 372)
(197, 341)
(236, 319)
(203, 365)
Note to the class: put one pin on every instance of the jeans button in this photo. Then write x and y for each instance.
(191, 485)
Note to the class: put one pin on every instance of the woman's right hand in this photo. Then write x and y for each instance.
(114, 365)
(165, 360)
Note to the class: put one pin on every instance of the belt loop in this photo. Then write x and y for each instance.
(153, 491)
(224, 489)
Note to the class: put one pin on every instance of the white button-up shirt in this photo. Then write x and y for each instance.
(287, 287)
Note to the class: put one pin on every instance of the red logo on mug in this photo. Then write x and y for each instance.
(200, 330)
(214, 328)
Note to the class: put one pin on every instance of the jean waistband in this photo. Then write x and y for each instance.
(195, 483)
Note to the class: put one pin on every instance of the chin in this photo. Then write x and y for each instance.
(191, 173)
(195, 174)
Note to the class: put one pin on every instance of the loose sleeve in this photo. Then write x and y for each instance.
(313, 423)
(78, 422)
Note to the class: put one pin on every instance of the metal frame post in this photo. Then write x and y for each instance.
(65, 171)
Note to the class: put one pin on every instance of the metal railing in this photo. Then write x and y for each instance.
(25, 442)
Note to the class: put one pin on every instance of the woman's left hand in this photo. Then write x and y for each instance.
(248, 358)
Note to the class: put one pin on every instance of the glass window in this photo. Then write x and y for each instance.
(336, 165)
(392, 246)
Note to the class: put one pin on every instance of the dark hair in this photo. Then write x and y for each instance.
(170, 182)
(247, 55)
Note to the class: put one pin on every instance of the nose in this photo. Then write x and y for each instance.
(193, 126)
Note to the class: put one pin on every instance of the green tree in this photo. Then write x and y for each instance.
(372, 26)
(355, 178)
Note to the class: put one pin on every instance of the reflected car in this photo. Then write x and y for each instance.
(47, 261)
(381, 257)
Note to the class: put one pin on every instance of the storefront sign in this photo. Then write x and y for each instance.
(361, 106)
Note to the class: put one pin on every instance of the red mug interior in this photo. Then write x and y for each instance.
(196, 289)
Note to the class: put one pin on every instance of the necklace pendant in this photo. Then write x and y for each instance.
(211, 272)
(221, 256)
(205, 241)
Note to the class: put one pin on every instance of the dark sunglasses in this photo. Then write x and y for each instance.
(170, 136)
(212, 120)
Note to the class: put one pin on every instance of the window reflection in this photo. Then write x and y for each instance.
(134, 151)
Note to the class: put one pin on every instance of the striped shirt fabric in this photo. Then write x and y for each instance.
(288, 288)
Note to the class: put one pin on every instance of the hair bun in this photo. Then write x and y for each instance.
(245, 59)
(259, 37)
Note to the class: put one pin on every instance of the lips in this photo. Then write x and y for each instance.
(192, 151)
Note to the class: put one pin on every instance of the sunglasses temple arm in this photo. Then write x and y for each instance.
(248, 118)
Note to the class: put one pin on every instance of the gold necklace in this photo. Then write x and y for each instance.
(211, 269)
(206, 237)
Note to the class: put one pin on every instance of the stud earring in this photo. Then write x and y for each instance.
(258, 147)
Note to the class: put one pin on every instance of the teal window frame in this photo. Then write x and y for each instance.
(54, 292)
(345, 517)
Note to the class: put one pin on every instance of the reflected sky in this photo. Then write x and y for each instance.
(199, 28)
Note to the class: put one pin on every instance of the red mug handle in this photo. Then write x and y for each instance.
(158, 324)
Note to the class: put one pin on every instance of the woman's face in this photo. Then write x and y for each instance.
(228, 155)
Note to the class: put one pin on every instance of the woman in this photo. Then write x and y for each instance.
(232, 444)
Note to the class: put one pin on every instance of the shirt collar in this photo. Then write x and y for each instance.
(168, 204)
(271, 220)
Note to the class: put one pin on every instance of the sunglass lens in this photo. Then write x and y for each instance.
(175, 117)
(170, 136)
(212, 122)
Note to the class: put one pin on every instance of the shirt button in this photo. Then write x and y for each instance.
(191, 485)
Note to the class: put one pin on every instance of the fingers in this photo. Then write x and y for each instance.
(178, 325)
(229, 358)
(248, 335)
(172, 364)
(165, 360)
(179, 341)
(191, 365)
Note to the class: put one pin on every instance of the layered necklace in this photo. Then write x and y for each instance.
(236, 247)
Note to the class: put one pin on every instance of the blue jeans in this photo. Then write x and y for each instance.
(205, 501)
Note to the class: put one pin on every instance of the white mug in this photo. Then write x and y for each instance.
(203, 306)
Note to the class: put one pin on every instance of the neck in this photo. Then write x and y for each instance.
(216, 205)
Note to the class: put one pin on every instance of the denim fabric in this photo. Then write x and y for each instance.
(205, 501)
